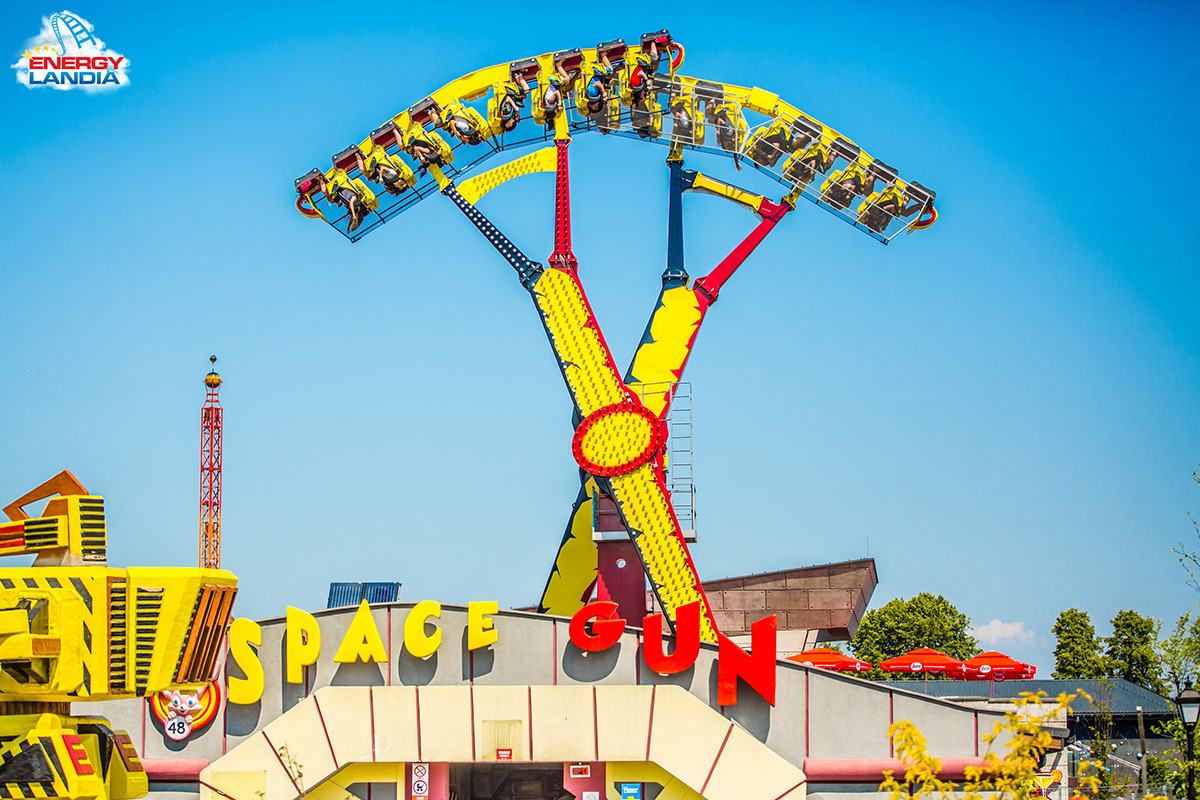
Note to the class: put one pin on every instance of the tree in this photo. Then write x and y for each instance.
(1179, 653)
(1077, 651)
(1130, 650)
(1190, 559)
(1175, 760)
(926, 620)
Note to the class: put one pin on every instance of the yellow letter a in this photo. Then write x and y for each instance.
(361, 642)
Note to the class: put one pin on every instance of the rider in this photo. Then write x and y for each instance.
(815, 158)
(454, 121)
(512, 102)
(878, 211)
(553, 97)
(643, 74)
(379, 167)
(597, 86)
(351, 193)
(840, 190)
(683, 125)
(841, 186)
(421, 149)
(719, 114)
(771, 145)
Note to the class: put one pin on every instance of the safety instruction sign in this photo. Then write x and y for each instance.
(420, 781)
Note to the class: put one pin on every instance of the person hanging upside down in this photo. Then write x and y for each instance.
(683, 127)
(840, 189)
(597, 87)
(459, 126)
(878, 211)
(352, 194)
(720, 114)
(815, 158)
(421, 149)
(512, 102)
(379, 167)
(643, 75)
(772, 144)
(552, 98)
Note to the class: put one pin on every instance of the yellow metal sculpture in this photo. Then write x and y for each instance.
(74, 630)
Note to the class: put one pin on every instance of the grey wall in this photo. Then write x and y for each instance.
(818, 714)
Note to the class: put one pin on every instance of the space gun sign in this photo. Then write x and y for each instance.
(594, 628)
(756, 668)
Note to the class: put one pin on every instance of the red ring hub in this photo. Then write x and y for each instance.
(617, 439)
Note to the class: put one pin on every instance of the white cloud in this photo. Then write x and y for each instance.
(996, 632)
(63, 40)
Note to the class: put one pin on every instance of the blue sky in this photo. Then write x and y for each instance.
(1002, 409)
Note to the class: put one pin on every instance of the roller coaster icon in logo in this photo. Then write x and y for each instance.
(67, 55)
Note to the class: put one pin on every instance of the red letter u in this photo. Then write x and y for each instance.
(687, 641)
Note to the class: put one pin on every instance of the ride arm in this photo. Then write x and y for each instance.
(709, 287)
(671, 331)
(527, 269)
(695, 182)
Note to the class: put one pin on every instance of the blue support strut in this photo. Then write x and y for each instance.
(675, 271)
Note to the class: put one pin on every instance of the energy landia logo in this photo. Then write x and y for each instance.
(66, 54)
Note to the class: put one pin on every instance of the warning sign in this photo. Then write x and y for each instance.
(420, 781)
(504, 754)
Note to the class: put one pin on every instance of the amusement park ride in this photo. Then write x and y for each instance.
(74, 630)
(619, 418)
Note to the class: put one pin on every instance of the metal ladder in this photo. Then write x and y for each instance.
(680, 480)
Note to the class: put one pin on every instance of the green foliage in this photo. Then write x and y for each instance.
(1175, 762)
(926, 620)
(1158, 772)
(1179, 653)
(1131, 650)
(1190, 559)
(1108, 782)
(1077, 650)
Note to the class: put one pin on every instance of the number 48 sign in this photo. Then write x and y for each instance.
(178, 728)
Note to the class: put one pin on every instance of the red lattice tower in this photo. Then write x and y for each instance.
(210, 472)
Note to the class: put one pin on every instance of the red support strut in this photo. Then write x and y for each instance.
(710, 285)
(563, 257)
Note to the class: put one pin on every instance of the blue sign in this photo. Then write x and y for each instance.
(631, 791)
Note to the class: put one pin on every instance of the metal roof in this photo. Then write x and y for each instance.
(1120, 696)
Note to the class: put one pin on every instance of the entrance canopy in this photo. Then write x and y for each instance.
(621, 727)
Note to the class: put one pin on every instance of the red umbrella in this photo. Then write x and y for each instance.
(925, 660)
(993, 666)
(825, 658)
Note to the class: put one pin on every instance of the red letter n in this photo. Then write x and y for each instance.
(756, 668)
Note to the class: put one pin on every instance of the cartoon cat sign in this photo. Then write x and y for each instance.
(181, 713)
